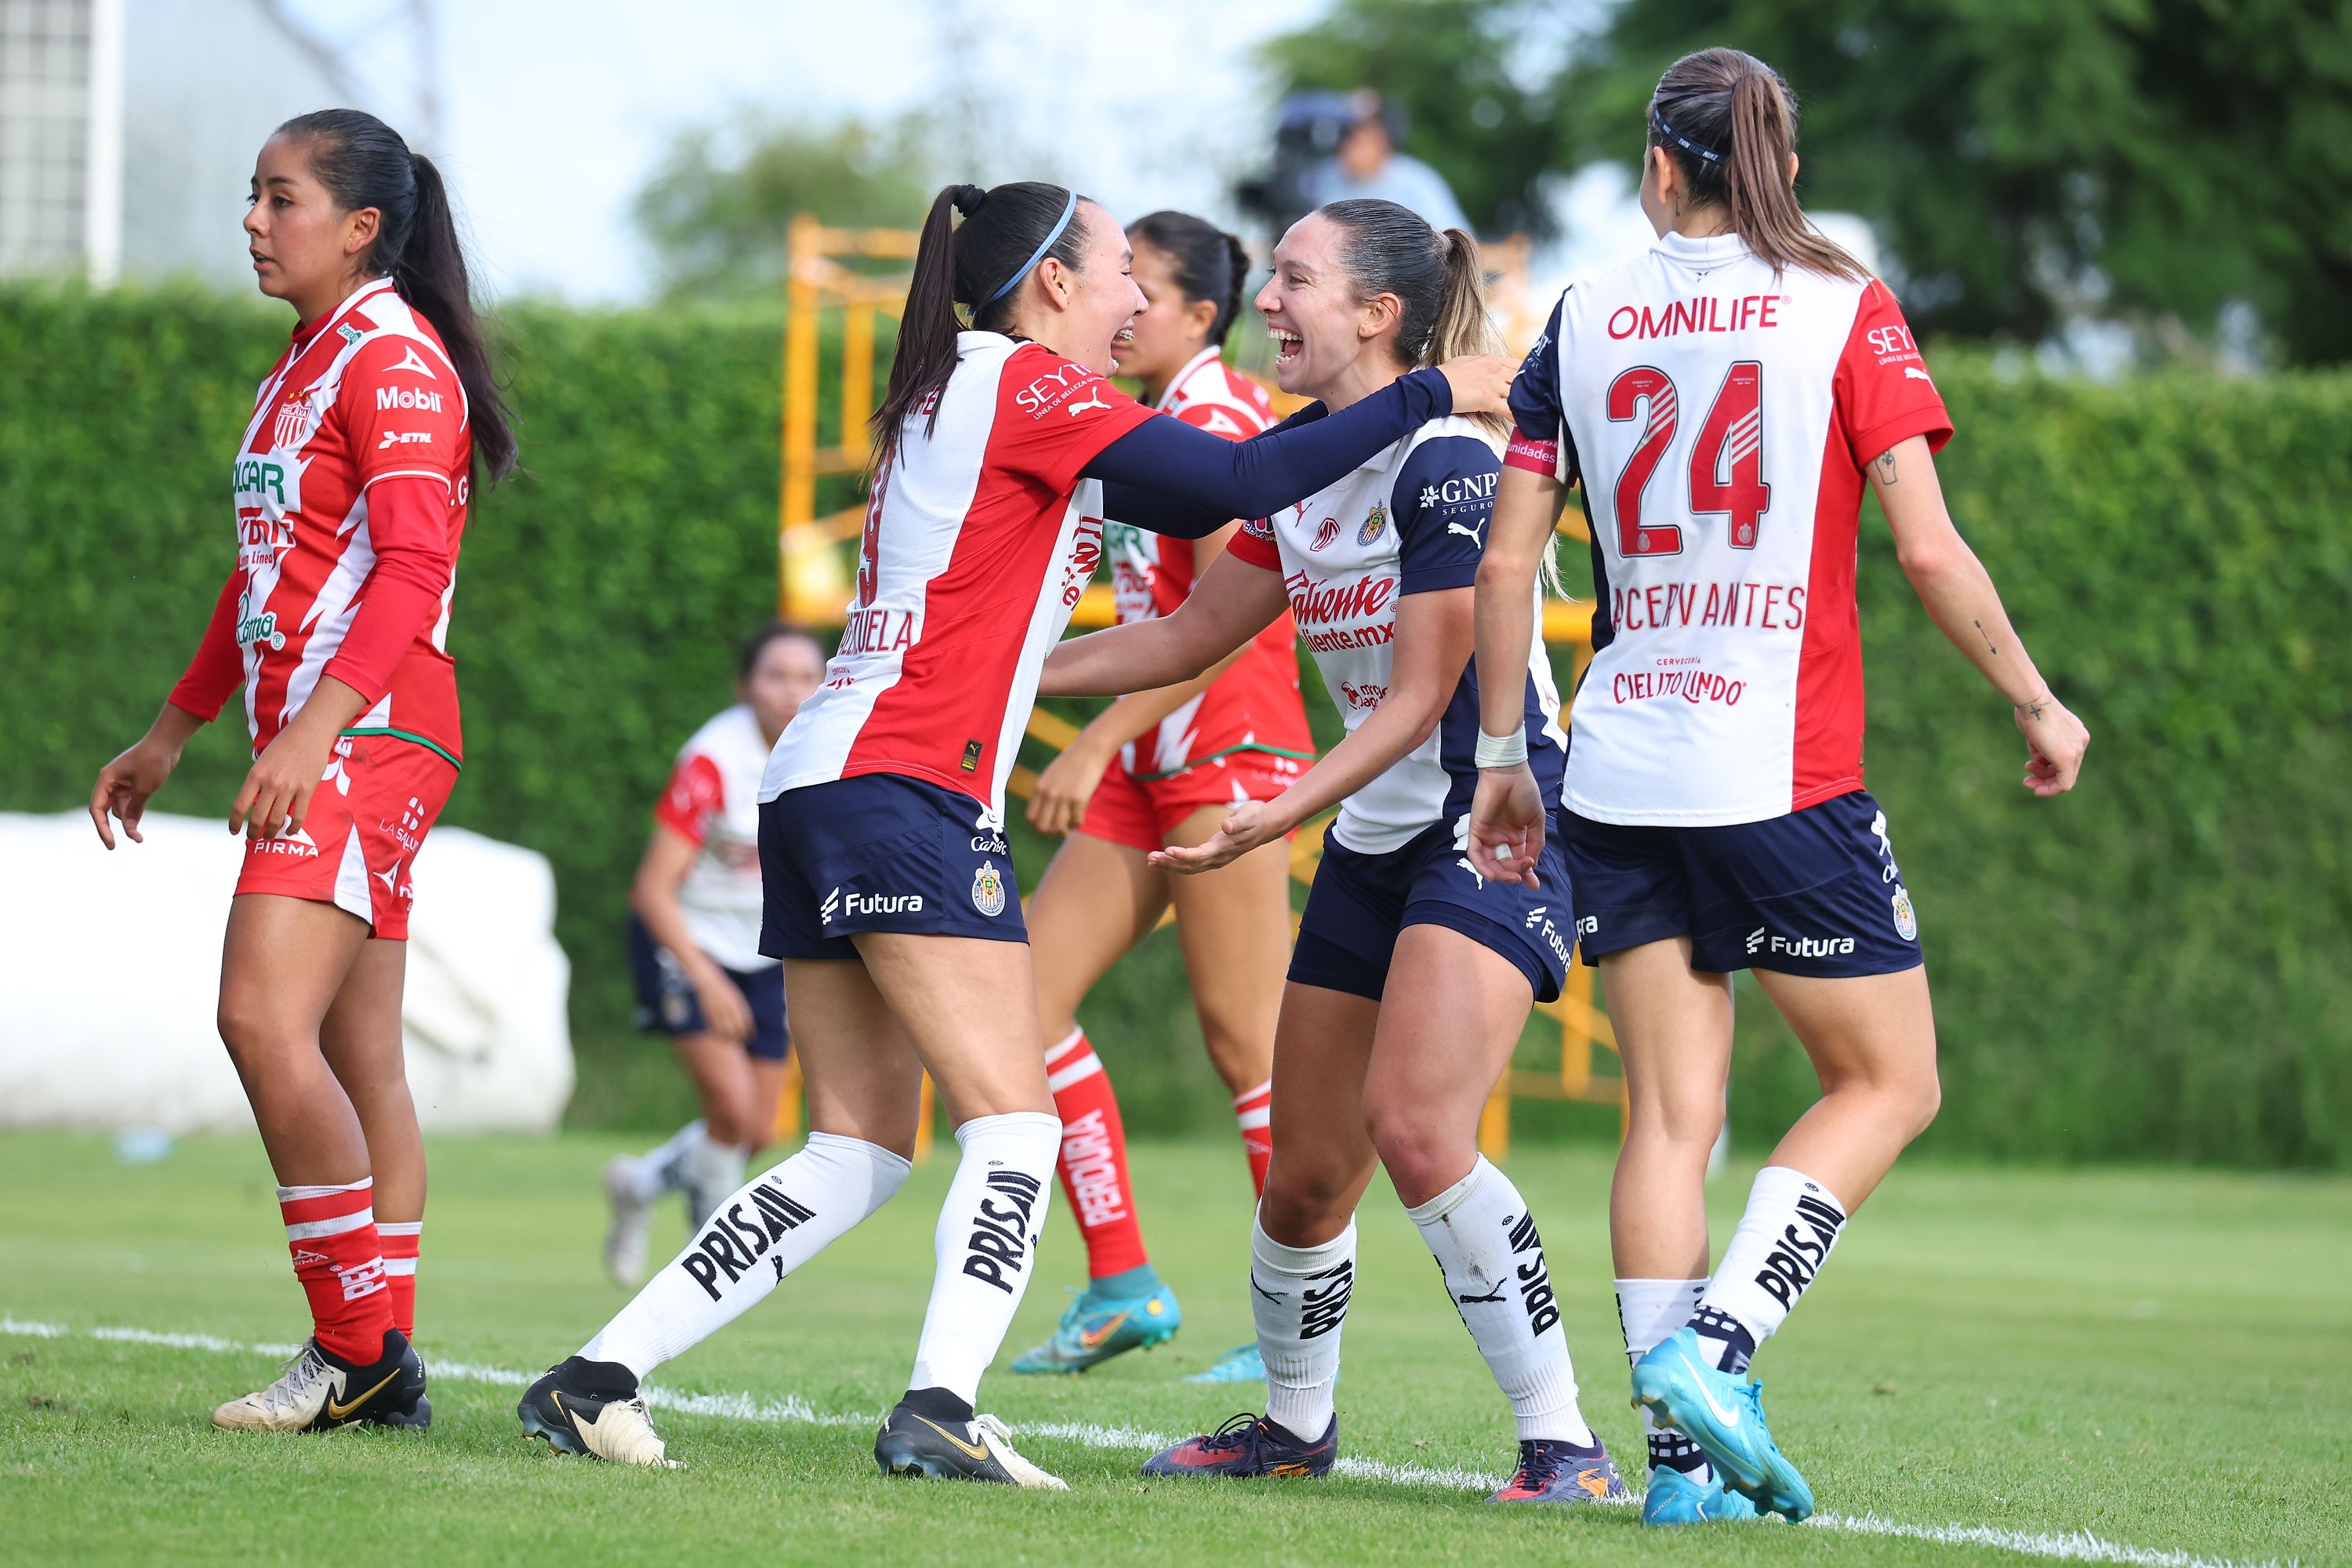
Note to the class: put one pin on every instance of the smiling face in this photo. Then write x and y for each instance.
(1078, 311)
(1326, 334)
(1170, 329)
(305, 250)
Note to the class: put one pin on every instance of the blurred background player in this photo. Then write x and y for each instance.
(1157, 768)
(694, 949)
(889, 889)
(351, 484)
(1413, 976)
(1367, 166)
(1723, 398)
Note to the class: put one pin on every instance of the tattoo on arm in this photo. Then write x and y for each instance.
(1987, 637)
(1886, 467)
(2034, 709)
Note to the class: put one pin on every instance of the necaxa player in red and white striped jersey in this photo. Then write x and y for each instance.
(1157, 768)
(1413, 975)
(1722, 400)
(889, 889)
(351, 487)
(694, 949)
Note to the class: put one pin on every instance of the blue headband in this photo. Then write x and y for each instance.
(1681, 141)
(1068, 208)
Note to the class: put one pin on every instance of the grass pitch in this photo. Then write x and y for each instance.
(2142, 1366)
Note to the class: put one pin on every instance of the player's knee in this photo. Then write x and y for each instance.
(1308, 1200)
(1422, 1156)
(1923, 1098)
(248, 1028)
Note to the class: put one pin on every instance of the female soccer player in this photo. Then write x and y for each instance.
(1157, 768)
(351, 484)
(694, 948)
(1722, 400)
(1412, 975)
(888, 890)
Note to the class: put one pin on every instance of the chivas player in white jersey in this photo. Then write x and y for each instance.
(351, 484)
(1157, 768)
(1722, 401)
(887, 886)
(1412, 975)
(694, 948)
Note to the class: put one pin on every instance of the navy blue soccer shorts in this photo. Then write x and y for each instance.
(1816, 892)
(881, 853)
(666, 1002)
(1359, 902)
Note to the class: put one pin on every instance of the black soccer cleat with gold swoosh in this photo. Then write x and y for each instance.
(318, 1390)
(592, 1407)
(941, 1447)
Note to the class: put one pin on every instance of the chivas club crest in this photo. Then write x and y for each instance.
(1376, 522)
(988, 889)
(293, 423)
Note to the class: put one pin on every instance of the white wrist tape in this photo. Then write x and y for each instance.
(1501, 750)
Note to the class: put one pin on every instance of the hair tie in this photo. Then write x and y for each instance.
(1036, 255)
(1681, 141)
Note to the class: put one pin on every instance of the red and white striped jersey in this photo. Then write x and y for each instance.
(366, 392)
(713, 802)
(1255, 704)
(1719, 417)
(979, 539)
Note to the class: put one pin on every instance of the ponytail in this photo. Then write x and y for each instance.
(1209, 263)
(1730, 124)
(978, 264)
(364, 163)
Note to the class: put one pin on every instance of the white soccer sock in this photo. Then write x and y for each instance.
(1791, 1223)
(783, 1218)
(1648, 1311)
(1486, 1243)
(1300, 1297)
(709, 1171)
(663, 1170)
(986, 1244)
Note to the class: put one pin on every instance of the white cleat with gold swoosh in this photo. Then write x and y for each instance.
(318, 1390)
(979, 1450)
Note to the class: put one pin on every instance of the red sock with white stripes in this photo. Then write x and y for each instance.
(340, 1261)
(1253, 1110)
(1094, 1158)
(402, 1239)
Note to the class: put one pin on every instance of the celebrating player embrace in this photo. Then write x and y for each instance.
(887, 883)
(1723, 401)
(1414, 975)
(351, 485)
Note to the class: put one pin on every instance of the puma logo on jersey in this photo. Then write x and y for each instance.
(409, 361)
(1096, 400)
(404, 438)
(1470, 533)
(1913, 373)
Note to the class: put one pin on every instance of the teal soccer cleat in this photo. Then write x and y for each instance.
(1724, 1416)
(1240, 1364)
(1674, 1498)
(1099, 1326)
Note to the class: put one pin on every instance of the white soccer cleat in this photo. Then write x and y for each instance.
(632, 1227)
(1023, 1473)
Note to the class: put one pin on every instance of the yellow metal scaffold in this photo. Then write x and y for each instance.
(812, 578)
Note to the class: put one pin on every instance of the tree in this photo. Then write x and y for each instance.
(716, 209)
(1446, 63)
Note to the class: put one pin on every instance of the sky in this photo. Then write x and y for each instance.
(554, 114)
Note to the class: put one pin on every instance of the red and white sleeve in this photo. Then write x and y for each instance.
(695, 794)
(1882, 391)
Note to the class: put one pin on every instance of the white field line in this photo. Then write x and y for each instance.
(2076, 1546)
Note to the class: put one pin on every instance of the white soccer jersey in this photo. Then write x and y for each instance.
(1411, 520)
(713, 802)
(1719, 417)
(979, 541)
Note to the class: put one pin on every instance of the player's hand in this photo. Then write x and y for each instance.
(1506, 824)
(124, 784)
(723, 1008)
(1058, 804)
(276, 793)
(1481, 382)
(1252, 824)
(2055, 740)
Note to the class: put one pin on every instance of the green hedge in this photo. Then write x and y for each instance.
(2157, 967)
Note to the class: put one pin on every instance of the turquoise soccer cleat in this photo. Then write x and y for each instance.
(1674, 1498)
(1098, 1326)
(1724, 1416)
(1240, 1364)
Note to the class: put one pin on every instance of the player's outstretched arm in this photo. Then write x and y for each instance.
(1506, 815)
(1961, 600)
(1232, 602)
